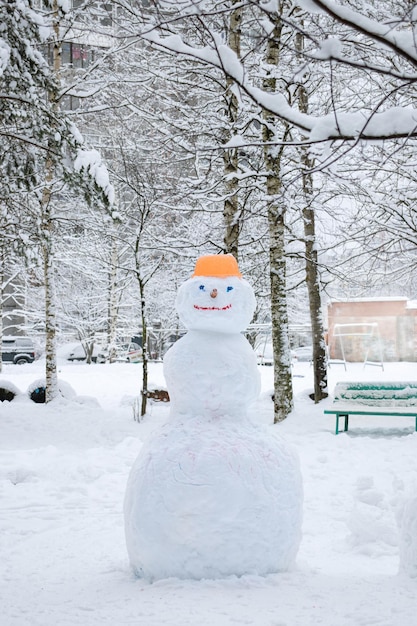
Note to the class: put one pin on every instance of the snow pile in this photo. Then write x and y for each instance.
(373, 523)
(408, 538)
(8, 391)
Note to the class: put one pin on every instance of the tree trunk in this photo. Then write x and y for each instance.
(141, 284)
(112, 303)
(89, 351)
(144, 350)
(314, 295)
(47, 234)
(311, 260)
(283, 392)
(50, 316)
(231, 156)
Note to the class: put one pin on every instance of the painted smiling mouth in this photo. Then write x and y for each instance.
(213, 308)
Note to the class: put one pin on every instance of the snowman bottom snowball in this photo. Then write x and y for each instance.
(213, 500)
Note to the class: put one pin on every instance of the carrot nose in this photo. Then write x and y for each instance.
(213, 293)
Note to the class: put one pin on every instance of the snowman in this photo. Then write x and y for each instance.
(213, 493)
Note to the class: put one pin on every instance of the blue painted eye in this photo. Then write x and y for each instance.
(201, 287)
(229, 288)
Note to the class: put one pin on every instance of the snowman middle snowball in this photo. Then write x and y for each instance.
(212, 370)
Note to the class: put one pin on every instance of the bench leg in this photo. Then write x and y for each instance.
(346, 426)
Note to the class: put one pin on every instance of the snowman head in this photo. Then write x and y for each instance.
(216, 297)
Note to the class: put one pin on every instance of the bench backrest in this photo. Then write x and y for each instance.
(377, 393)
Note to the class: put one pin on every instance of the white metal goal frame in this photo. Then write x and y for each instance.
(369, 331)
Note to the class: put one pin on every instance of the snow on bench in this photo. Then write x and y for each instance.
(373, 398)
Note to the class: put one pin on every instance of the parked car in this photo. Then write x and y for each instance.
(18, 350)
(125, 353)
(78, 354)
(265, 353)
(130, 352)
(303, 353)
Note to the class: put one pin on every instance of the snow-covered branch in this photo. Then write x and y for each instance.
(91, 162)
(400, 41)
(393, 123)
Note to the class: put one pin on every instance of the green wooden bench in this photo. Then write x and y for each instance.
(373, 398)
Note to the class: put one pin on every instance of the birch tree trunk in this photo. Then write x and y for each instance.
(47, 236)
(283, 393)
(231, 156)
(51, 375)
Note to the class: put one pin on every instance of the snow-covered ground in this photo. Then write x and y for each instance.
(63, 474)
